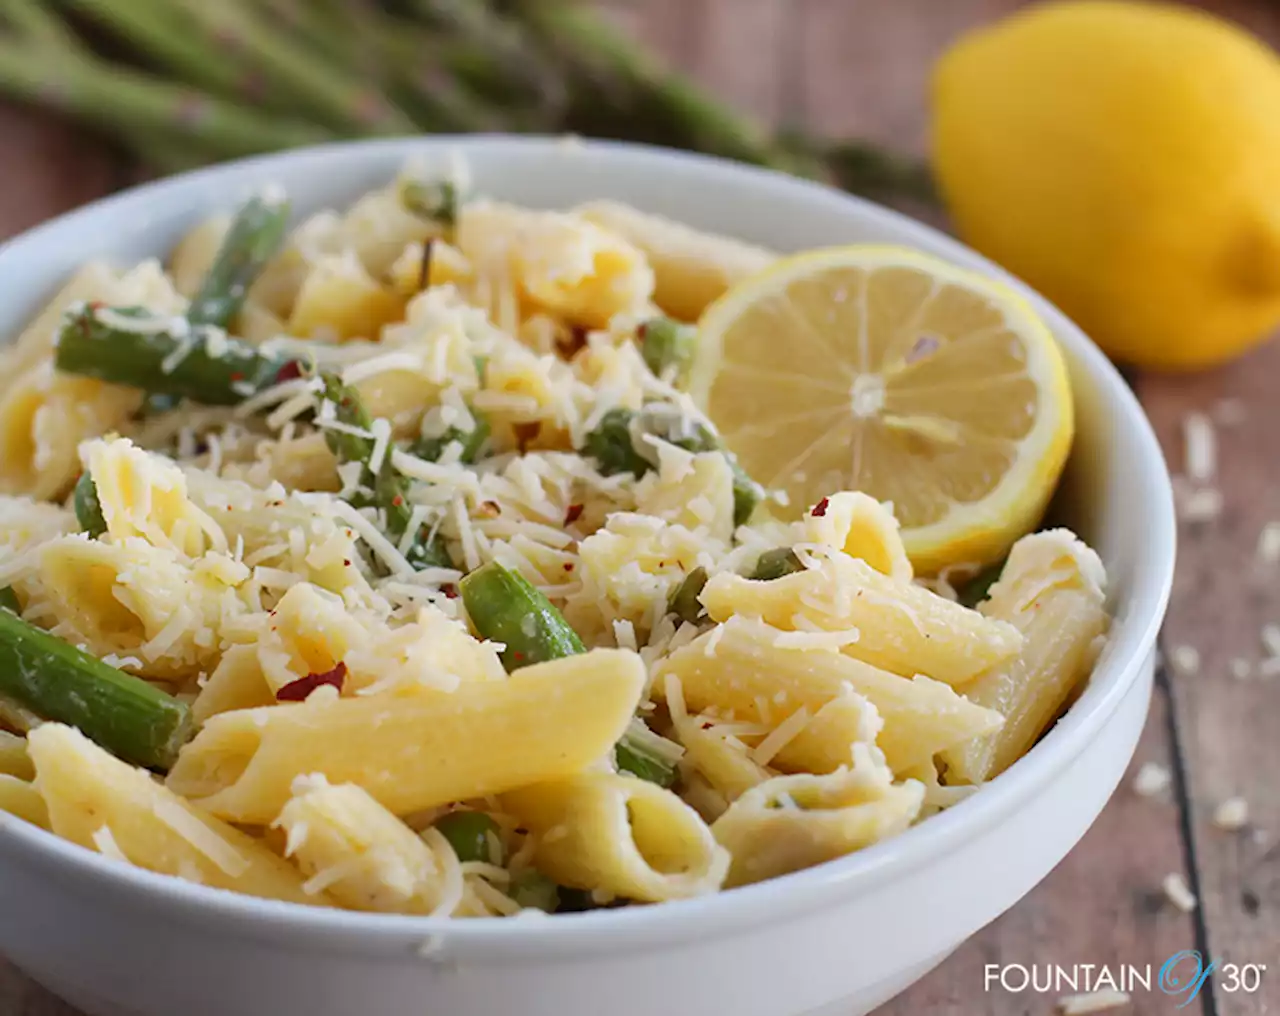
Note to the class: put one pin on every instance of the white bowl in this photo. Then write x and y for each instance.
(840, 938)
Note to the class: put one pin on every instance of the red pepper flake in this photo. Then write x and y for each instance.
(820, 509)
(299, 690)
(346, 562)
(237, 376)
(517, 655)
(573, 514)
(525, 433)
(291, 371)
(642, 332)
(450, 591)
(397, 501)
(568, 566)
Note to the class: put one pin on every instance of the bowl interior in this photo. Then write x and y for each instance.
(1116, 492)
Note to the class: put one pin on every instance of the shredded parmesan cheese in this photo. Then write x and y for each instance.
(1201, 447)
(1092, 1001)
(1176, 891)
(107, 845)
(1232, 814)
(203, 839)
(1152, 780)
(786, 732)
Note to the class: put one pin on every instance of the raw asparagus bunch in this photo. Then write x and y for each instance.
(182, 82)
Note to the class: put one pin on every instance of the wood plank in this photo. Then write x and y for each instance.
(1222, 597)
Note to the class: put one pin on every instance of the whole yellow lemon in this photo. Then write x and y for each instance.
(1124, 159)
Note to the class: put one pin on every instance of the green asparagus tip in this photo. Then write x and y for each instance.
(685, 602)
(437, 201)
(774, 564)
(253, 238)
(88, 507)
(124, 714)
(473, 836)
(668, 347)
(504, 607)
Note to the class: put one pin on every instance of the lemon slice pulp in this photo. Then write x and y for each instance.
(886, 370)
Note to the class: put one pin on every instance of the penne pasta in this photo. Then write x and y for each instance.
(87, 791)
(365, 858)
(14, 759)
(862, 527)
(420, 752)
(619, 835)
(691, 269)
(737, 667)
(1051, 590)
(894, 625)
(794, 822)
(21, 800)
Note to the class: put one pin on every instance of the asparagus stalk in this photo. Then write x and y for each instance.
(612, 444)
(338, 99)
(504, 607)
(389, 489)
(685, 602)
(774, 564)
(436, 201)
(125, 100)
(88, 507)
(631, 755)
(978, 588)
(668, 347)
(131, 346)
(160, 30)
(534, 891)
(59, 682)
(472, 834)
(252, 240)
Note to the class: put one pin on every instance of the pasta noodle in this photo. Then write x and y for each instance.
(794, 822)
(483, 738)
(620, 835)
(1051, 589)
(87, 790)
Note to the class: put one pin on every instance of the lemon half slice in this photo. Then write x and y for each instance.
(888, 371)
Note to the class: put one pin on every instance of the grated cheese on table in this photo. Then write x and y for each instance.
(1152, 780)
(1177, 892)
(1201, 447)
(1185, 659)
(1231, 815)
(1092, 1001)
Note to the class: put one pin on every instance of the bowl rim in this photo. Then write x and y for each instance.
(725, 912)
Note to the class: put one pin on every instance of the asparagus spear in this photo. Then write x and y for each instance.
(122, 713)
(253, 238)
(472, 441)
(472, 834)
(435, 201)
(132, 346)
(774, 564)
(533, 890)
(668, 346)
(88, 507)
(631, 756)
(612, 446)
(684, 601)
(978, 588)
(505, 608)
(389, 489)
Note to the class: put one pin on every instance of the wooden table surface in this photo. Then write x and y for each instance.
(861, 67)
